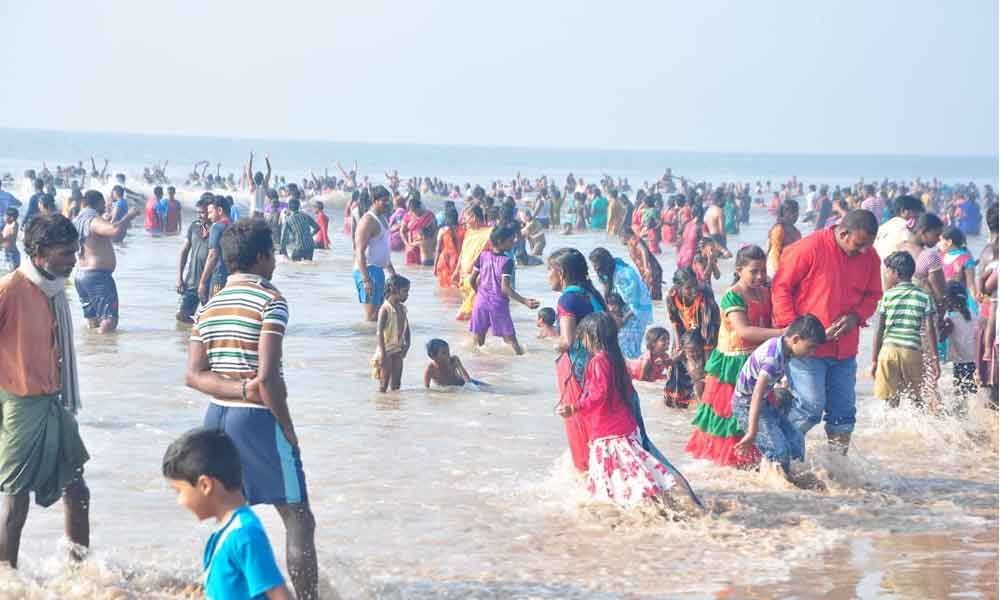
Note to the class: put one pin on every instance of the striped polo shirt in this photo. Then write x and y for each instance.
(904, 308)
(230, 325)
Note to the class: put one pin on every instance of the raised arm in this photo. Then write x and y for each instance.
(267, 175)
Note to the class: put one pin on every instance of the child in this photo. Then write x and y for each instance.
(547, 326)
(651, 365)
(961, 333)
(204, 468)
(768, 430)
(905, 312)
(685, 374)
(651, 224)
(629, 338)
(492, 278)
(322, 237)
(444, 369)
(706, 262)
(620, 470)
(393, 334)
(691, 307)
(745, 324)
(11, 258)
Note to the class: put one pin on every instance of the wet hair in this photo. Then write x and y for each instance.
(451, 216)
(692, 338)
(258, 178)
(684, 277)
(604, 266)
(48, 231)
(907, 203)
(12, 212)
(653, 335)
(244, 242)
(598, 331)
(744, 256)
(547, 315)
(929, 222)
(787, 207)
(379, 192)
(294, 205)
(902, 264)
(957, 295)
(501, 234)
(614, 299)
(860, 220)
(204, 452)
(93, 199)
(396, 284)
(434, 346)
(955, 236)
(575, 272)
(808, 328)
(413, 202)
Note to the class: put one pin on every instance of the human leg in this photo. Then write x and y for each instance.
(395, 370)
(512, 340)
(841, 400)
(76, 504)
(300, 548)
(13, 514)
(808, 378)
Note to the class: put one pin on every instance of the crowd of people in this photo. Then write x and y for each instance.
(761, 365)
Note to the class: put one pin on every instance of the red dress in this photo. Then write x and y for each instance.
(668, 230)
(447, 259)
(322, 237)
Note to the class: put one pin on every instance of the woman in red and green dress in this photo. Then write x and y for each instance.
(745, 324)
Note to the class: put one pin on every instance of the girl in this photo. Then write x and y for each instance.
(649, 268)
(782, 234)
(706, 262)
(686, 373)
(322, 237)
(393, 334)
(668, 220)
(746, 323)
(929, 274)
(688, 243)
(396, 222)
(623, 280)
(11, 258)
(654, 361)
(960, 329)
(492, 278)
(690, 306)
(449, 245)
(417, 229)
(651, 224)
(956, 260)
(477, 238)
(620, 469)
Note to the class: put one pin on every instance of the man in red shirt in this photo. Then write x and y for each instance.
(835, 275)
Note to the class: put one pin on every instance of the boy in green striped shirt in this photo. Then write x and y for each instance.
(905, 313)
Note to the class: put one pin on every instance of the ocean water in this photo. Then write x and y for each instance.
(423, 494)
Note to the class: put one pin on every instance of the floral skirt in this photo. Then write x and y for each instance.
(622, 472)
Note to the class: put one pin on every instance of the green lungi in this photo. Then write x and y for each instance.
(40, 447)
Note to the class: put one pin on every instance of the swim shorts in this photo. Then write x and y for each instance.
(272, 468)
(98, 294)
(377, 275)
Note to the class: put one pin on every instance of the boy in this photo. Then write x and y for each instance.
(204, 469)
(766, 426)
(11, 258)
(546, 322)
(897, 354)
(172, 214)
(444, 369)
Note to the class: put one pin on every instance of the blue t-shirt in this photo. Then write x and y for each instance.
(239, 562)
(215, 243)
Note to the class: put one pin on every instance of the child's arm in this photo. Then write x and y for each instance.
(428, 374)
(279, 593)
(646, 367)
(406, 337)
(383, 318)
(511, 293)
(461, 369)
(474, 278)
(756, 402)
(877, 344)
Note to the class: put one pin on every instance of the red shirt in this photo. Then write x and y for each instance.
(152, 219)
(601, 404)
(815, 276)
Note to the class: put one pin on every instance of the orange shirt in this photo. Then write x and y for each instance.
(29, 359)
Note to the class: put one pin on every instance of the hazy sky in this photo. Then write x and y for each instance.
(834, 76)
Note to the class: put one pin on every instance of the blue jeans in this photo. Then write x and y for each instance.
(777, 439)
(823, 390)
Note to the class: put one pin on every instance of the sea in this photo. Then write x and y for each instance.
(432, 493)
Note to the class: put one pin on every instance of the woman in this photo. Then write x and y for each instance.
(689, 238)
(449, 244)
(396, 223)
(623, 280)
(782, 234)
(477, 237)
(956, 260)
(417, 229)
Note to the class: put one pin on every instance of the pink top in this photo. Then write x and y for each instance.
(601, 404)
(689, 244)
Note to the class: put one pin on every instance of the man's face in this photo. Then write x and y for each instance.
(203, 214)
(381, 206)
(854, 243)
(214, 213)
(58, 260)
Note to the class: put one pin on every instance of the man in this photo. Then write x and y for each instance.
(833, 274)
(715, 220)
(153, 224)
(235, 357)
(94, 282)
(898, 232)
(213, 277)
(172, 214)
(371, 254)
(872, 202)
(116, 211)
(40, 446)
(297, 233)
(34, 203)
(194, 254)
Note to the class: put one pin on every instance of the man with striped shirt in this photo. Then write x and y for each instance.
(904, 313)
(235, 357)
(297, 233)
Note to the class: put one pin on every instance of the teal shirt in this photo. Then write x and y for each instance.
(599, 213)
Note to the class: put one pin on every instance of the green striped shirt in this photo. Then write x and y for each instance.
(903, 309)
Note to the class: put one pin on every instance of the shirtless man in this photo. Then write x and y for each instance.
(371, 253)
(715, 221)
(94, 283)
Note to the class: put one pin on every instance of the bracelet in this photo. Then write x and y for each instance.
(244, 392)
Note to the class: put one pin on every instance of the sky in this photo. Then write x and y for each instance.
(770, 76)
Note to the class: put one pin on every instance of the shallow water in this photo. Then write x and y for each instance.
(455, 494)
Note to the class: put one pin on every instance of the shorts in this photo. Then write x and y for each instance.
(487, 316)
(377, 275)
(899, 373)
(272, 468)
(98, 294)
(188, 304)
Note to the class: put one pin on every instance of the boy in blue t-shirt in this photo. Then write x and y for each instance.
(204, 468)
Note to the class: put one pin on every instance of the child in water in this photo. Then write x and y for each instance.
(960, 331)
(629, 338)
(547, 327)
(444, 369)
(686, 373)
(691, 307)
(492, 278)
(393, 334)
(11, 258)
(651, 366)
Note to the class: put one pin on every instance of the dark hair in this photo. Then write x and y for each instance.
(808, 328)
(318, 205)
(574, 268)
(436, 345)
(12, 212)
(158, 190)
(204, 452)
(902, 264)
(48, 231)
(744, 256)
(396, 283)
(244, 242)
(379, 192)
(294, 205)
(929, 222)
(993, 217)
(119, 189)
(653, 334)
(48, 202)
(601, 331)
(907, 202)
(547, 315)
(614, 299)
(955, 291)
(787, 207)
(604, 266)
(93, 198)
(39, 184)
(955, 236)
(501, 234)
(451, 216)
(685, 276)
(860, 220)
(693, 338)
